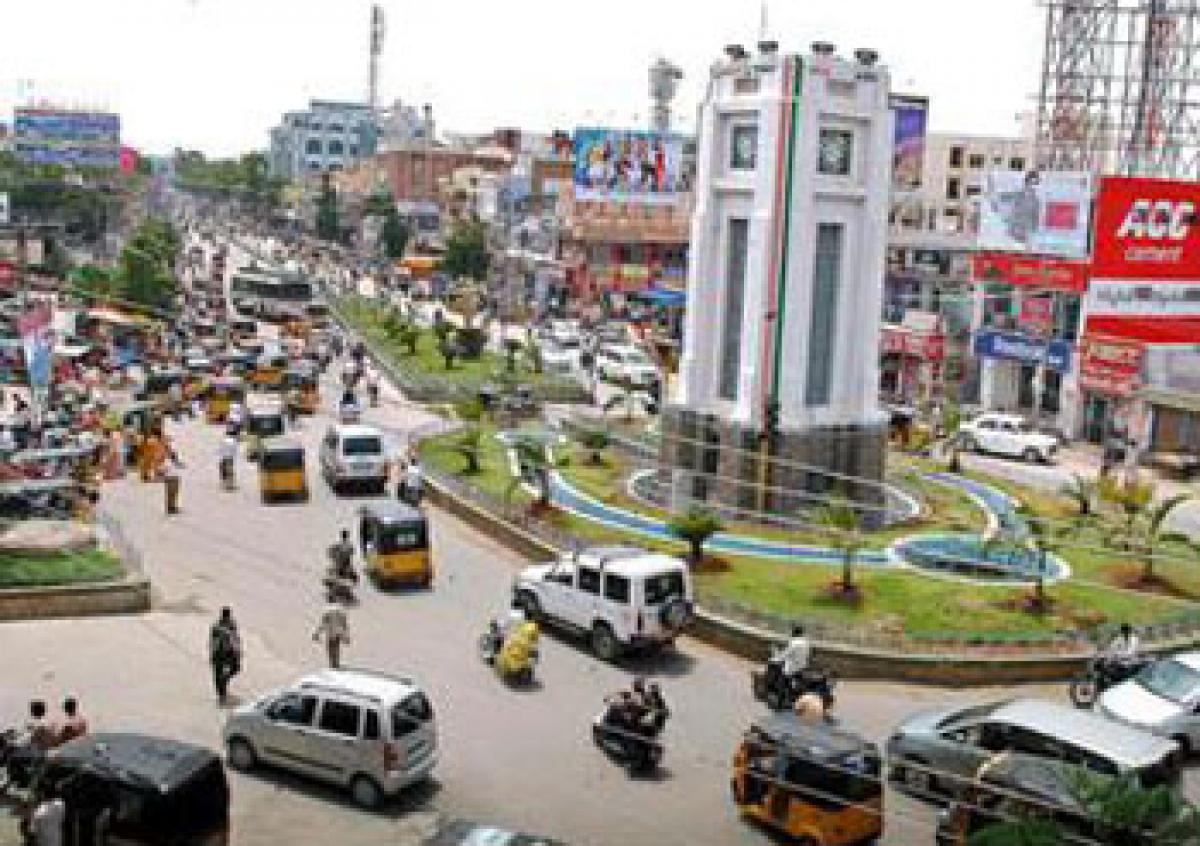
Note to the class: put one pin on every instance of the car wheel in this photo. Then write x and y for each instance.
(1031, 455)
(366, 792)
(240, 754)
(1185, 745)
(604, 642)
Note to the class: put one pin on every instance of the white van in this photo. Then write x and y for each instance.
(370, 732)
(354, 453)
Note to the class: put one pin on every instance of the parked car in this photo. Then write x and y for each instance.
(1007, 434)
(370, 732)
(1163, 698)
(354, 453)
(623, 598)
(620, 363)
(937, 752)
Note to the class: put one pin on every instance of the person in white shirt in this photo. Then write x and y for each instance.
(236, 416)
(414, 481)
(796, 654)
(334, 628)
(1125, 648)
(227, 455)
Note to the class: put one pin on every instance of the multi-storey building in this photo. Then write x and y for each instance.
(328, 136)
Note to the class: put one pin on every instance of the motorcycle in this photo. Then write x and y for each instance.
(779, 692)
(1100, 674)
(19, 761)
(514, 656)
(637, 749)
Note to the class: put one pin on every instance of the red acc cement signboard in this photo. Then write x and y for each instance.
(1146, 266)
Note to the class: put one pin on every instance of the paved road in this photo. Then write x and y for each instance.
(523, 759)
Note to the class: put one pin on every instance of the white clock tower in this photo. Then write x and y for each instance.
(778, 388)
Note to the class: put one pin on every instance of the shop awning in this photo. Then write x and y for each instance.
(665, 297)
(1182, 400)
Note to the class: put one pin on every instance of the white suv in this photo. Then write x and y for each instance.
(626, 363)
(370, 732)
(622, 598)
(1007, 434)
(354, 453)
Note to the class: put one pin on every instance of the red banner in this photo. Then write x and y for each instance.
(1031, 271)
(1037, 314)
(8, 274)
(1110, 365)
(902, 342)
(1147, 229)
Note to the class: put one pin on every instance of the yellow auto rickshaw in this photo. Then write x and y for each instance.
(262, 424)
(814, 783)
(224, 391)
(281, 470)
(268, 371)
(394, 538)
(304, 383)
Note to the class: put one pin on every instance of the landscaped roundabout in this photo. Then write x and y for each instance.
(979, 563)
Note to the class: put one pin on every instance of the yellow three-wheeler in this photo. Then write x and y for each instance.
(395, 544)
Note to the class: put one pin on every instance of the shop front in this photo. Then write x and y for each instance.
(1172, 396)
(1109, 378)
(912, 359)
(1021, 373)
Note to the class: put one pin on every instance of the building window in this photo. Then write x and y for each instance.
(353, 150)
(1016, 163)
(743, 147)
(835, 152)
(976, 161)
(973, 191)
(336, 148)
(735, 289)
(956, 157)
(822, 326)
(312, 147)
(953, 188)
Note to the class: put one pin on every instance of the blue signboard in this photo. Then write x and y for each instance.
(1008, 346)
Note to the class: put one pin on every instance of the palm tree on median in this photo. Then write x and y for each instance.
(843, 527)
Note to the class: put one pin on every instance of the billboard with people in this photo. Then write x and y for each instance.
(620, 164)
(911, 116)
(1036, 212)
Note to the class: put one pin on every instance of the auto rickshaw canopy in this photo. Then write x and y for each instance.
(265, 422)
(282, 454)
(394, 526)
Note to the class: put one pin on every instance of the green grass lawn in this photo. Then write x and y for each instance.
(467, 374)
(66, 568)
(893, 602)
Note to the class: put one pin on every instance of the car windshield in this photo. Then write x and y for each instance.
(363, 445)
(1171, 680)
(662, 587)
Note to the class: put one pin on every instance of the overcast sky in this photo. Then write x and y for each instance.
(216, 74)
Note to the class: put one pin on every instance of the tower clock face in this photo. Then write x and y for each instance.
(834, 152)
(745, 147)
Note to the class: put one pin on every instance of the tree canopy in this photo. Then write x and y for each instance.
(467, 252)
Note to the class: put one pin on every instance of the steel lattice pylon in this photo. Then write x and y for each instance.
(1120, 87)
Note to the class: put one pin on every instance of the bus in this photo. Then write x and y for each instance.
(270, 295)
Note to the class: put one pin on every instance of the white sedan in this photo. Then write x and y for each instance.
(1007, 434)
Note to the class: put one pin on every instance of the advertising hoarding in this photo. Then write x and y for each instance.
(1110, 365)
(1146, 267)
(65, 137)
(1037, 315)
(1043, 213)
(628, 165)
(1053, 274)
(1008, 346)
(911, 116)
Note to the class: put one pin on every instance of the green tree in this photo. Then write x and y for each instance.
(328, 227)
(448, 348)
(408, 336)
(952, 418)
(467, 252)
(694, 527)
(533, 463)
(1083, 492)
(595, 441)
(533, 352)
(467, 444)
(1045, 539)
(394, 235)
(843, 531)
(512, 346)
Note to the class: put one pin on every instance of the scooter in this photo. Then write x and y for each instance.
(514, 659)
(780, 692)
(638, 752)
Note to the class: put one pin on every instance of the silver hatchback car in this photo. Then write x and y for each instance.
(370, 732)
(934, 753)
